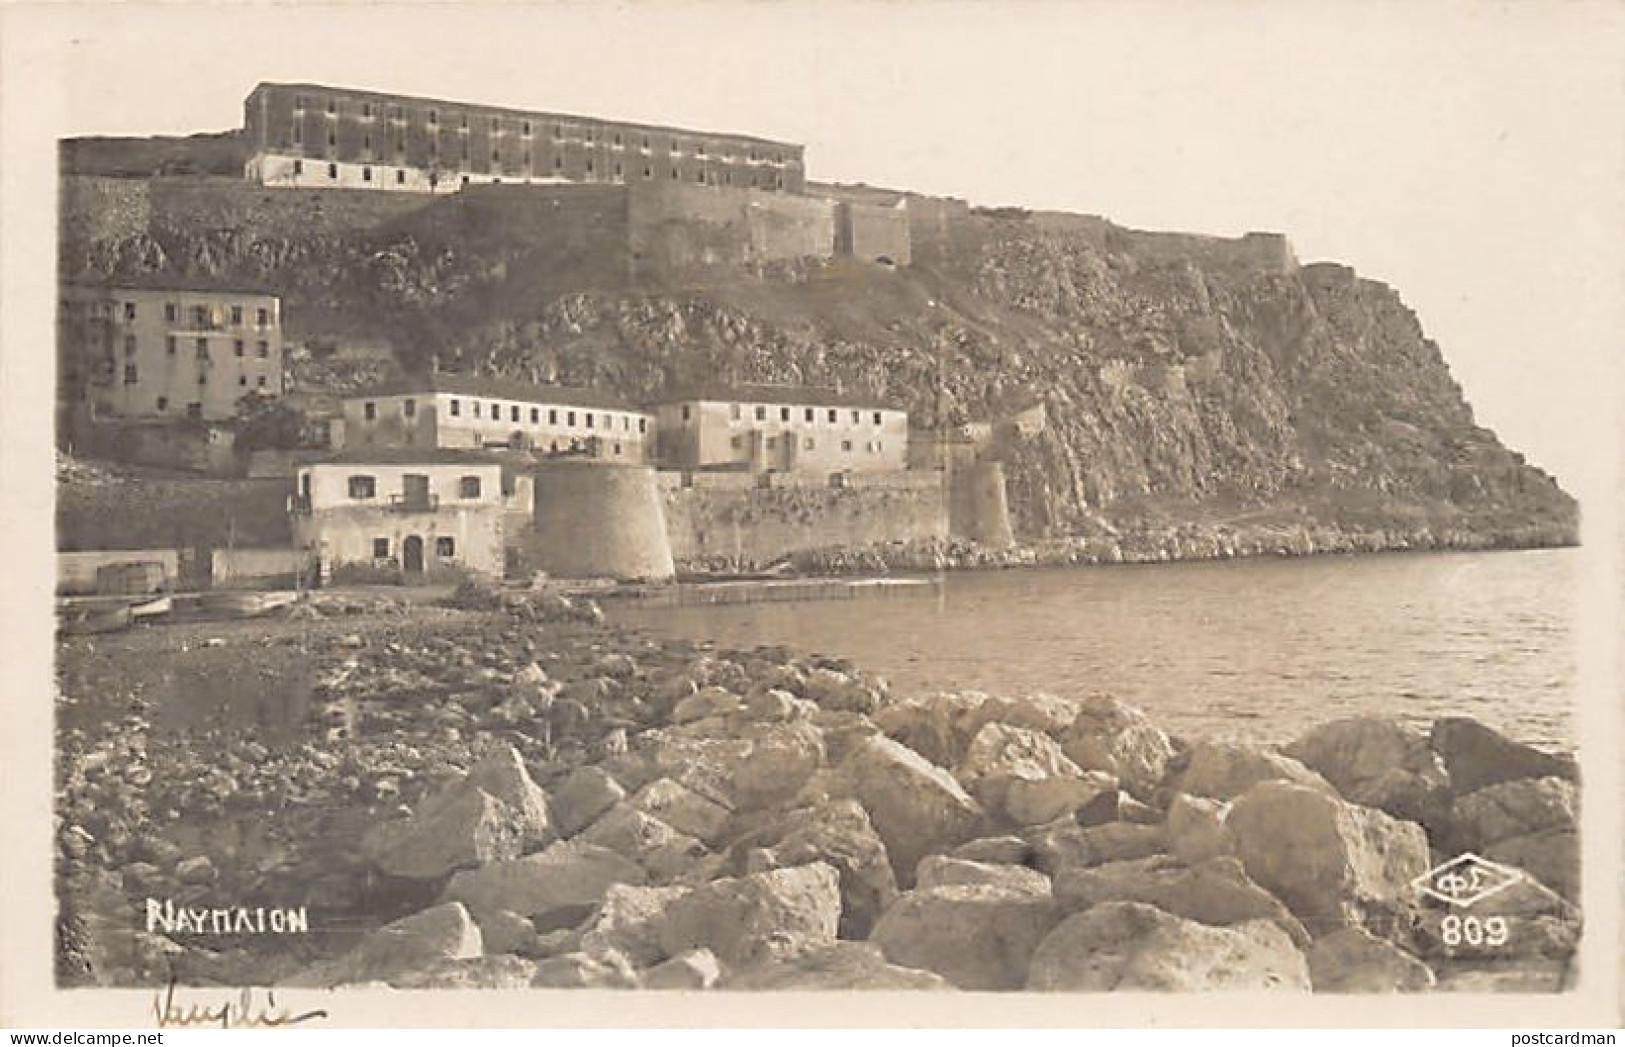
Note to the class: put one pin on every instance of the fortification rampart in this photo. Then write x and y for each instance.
(754, 524)
(675, 225)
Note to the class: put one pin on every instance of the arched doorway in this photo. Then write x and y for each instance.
(412, 554)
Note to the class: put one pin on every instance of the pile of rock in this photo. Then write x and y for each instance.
(764, 822)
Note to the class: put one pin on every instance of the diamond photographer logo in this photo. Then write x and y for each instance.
(1466, 880)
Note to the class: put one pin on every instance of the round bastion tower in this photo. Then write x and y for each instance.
(597, 519)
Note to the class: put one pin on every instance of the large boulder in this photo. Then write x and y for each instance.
(578, 801)
(1129, 946)
(693, 970)
(460, 829)
(942, 871)
(1064, 844)
(1108, 735)
(843, 966)
(1529, 823)
(445, 932)
(566, 874)
(629, 921)
(1477, 756)
(1334, 863)
(999, 850)
(1526, 807)
(578, 970)
(780, 759)
(1037, 801)
(663, 852)
(937, 726)
(916, 807)
(683, 809)
(1352, 960)
(1000, 755)
(838, 832)
(1224, 770)
(1380, 763)
(1552, 859)
(502, 774)
(747, 919)
(1216, 892)
(837, 692)
(978, 937)
(1196, 830)
(1048, 714)
(495, 811)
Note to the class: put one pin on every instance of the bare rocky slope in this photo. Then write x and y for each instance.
(1200, 401)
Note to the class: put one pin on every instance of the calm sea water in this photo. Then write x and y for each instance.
(1258, 649)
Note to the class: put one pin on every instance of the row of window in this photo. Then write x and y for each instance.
(132, 376)
(200, 315)
(590, 420)
(808, 444)
(239, 347)
(445, 547)
(809, 414)
(362, 486)
(701, 177)
(561, 132)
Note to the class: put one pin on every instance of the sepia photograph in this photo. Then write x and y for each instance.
(1050, 500)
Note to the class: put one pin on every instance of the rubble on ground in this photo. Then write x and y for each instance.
(559, 804)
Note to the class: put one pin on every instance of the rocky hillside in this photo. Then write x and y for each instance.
(1197, 396)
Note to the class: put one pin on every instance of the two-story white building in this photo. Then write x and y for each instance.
(450, 411)
(413, 514)
(774, 428)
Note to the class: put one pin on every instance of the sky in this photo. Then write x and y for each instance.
(1470, 155)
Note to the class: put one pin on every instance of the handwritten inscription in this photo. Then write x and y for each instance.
(243, 1011)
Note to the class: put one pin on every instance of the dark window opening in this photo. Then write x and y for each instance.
(445, 546)
(363, 486)
(468, 487)
(380, 548)
(409, 408)
(784, 414)
(456, 408)
(237, 347)
(369, 410)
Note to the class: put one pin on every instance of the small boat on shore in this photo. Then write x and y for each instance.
(80, 621)
(244, 604)
(157, 607)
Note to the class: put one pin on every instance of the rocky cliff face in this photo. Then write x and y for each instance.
(1201, 400)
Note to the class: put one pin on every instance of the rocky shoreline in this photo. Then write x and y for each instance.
(495, 799)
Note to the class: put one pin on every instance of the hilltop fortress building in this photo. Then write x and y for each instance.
(308, 135)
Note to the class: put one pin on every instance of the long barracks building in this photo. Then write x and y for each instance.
(308, 135)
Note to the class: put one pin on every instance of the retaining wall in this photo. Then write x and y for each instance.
(76, 571)
(759, 524)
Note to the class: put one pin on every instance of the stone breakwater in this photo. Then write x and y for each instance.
(495, 803)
